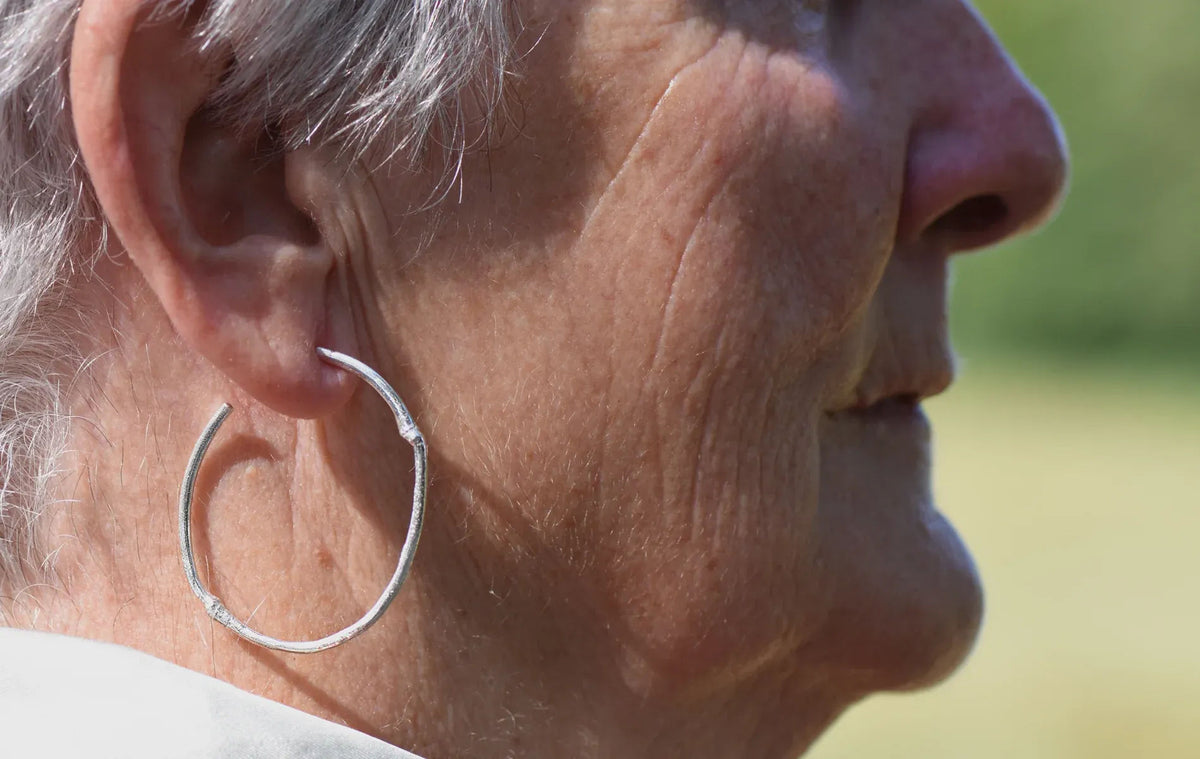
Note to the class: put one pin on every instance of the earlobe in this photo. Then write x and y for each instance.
(207, 210)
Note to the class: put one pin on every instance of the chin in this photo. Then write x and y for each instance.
(906, 615)
(905, 602)
(936, 628)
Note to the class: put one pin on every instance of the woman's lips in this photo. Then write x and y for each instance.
(897, 414)
(890, 440)
(901, 405)
(891, 407)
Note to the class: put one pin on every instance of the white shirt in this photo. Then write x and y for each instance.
(68, 697)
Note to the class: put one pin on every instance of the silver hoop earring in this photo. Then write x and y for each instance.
(212, 604)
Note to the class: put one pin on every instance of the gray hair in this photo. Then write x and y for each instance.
(345, 72)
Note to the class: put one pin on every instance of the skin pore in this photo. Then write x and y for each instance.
(665, 350)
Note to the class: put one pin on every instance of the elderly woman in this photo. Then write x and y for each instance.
(661, 282)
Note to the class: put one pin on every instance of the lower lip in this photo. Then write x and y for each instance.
(894, 416)
(885, 447)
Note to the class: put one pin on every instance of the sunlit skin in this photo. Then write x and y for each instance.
(666, 339)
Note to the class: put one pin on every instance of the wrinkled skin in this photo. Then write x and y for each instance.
(666, 349)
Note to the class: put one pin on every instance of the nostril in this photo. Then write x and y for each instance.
(977, 221)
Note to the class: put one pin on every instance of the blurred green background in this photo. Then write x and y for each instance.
(1118, 276)
(1069, 451)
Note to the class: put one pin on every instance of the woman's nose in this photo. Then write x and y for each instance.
(986, 157)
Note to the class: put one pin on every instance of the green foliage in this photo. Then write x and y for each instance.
(1118, 274)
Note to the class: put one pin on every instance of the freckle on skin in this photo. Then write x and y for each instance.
(324, 559)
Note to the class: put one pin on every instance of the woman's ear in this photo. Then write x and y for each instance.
(218, 220)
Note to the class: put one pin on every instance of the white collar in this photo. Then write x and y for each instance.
(70, 697)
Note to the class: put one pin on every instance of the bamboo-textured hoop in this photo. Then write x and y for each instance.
(212, 604)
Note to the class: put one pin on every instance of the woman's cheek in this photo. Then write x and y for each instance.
(827, 193)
